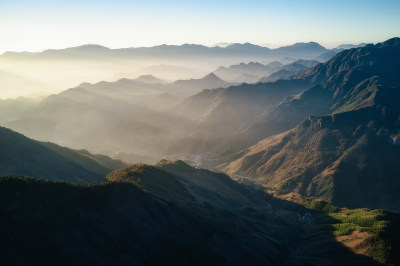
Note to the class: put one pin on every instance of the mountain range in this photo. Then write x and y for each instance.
(57, 70)
(254, 72)
(297, 169)
(92, 51)
(130, 114)
(345, 151)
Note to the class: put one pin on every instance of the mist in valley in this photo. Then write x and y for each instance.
(143, 104)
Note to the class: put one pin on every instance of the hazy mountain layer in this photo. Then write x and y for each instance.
(130, 114)
(24, 156)
(252, 70)
(288, 70)
(13, 85)
(255, 72)
(331, 53)
(15, 109)
(64, 68)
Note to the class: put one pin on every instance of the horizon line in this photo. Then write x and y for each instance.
(271, 46)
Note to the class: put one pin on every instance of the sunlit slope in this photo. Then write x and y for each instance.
(349, 156)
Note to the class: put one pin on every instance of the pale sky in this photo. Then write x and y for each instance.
(39, 25)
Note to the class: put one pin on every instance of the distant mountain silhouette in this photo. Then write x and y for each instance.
(186, 88)
(246, 78)
(288, 70)
(92, 63)
(280, 74)
(149, 79)
(88, 51)
(349, 46)
(26, 85)
(298, 50)
(17, 108)
(301, 50)
(169, 73)
(331, 53)
(247, 48)
(253, 70)
(326, 56)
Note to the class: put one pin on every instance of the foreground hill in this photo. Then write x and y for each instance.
(24, 156)
(177, 181)
(348, 155)
(152, 215)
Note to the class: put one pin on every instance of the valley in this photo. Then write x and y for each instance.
(197, 155)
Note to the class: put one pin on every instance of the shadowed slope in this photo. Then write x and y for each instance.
(180, 182)
(24, 156)
(119, 223)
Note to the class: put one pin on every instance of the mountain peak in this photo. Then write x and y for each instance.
(212, 76)
(305, 45)
(89, 47)
(246, 46)
(238, 45)
(369, 56)
(148, 79)
(391, 42)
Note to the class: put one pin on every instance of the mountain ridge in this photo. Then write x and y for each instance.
(24, 156)
(333, 153)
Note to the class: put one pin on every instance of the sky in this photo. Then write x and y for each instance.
(39, 25)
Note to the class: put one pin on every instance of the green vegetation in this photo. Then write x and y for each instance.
(322, 206)
(341, 222)
(360, 220)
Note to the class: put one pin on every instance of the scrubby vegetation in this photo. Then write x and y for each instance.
(342, 222)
